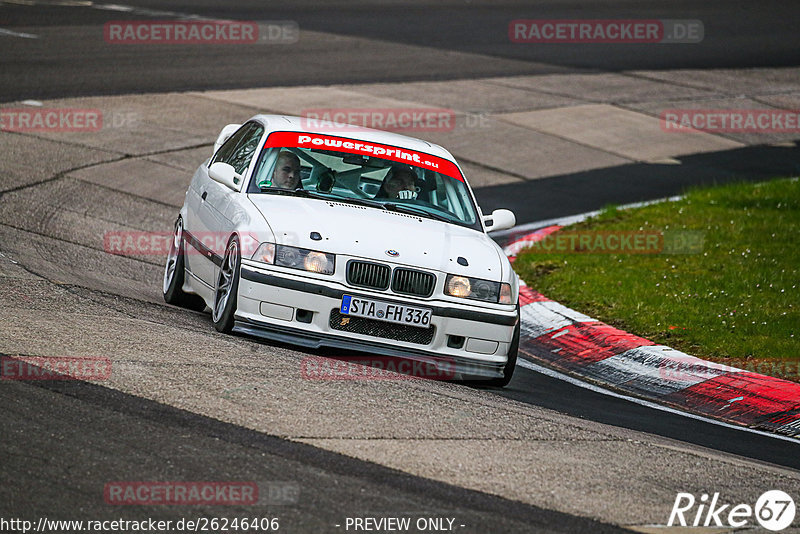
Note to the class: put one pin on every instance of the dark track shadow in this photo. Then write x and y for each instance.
(570, 194)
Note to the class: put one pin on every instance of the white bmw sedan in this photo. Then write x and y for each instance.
(348, 238)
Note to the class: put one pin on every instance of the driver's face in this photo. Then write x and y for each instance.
(399, 183)
(287, 173)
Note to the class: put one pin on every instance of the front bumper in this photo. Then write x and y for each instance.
(294, 309)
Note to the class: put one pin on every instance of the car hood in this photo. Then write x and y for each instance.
(367, 232)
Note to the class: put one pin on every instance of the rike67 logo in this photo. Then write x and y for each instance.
(774, 511)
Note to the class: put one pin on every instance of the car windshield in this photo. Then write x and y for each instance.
(369, 174)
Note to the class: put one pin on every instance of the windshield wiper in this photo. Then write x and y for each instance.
(413, 210)
(313, 194)
(299, 192)
(389, 206)
(360, 202)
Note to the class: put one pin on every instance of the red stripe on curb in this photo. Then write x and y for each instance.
(537, 235)
(521, 243)
(528, 295)
(745, 397)
(580, 344)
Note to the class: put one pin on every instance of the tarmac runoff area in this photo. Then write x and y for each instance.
(64, 296)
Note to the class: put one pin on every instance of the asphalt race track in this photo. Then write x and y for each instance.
(185, 403)
(95, 426)
(740, 34)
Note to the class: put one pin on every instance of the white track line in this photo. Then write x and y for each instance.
(11, 33)
(572, 219)
(591, 387)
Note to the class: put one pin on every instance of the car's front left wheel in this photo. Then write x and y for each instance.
(511, 363)
(227, 288)
(508, 368)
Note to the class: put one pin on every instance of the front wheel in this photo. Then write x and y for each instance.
(174, 272)
(508, 370)
(227, 288)
(511, 363)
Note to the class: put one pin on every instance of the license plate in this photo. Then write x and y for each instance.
(384, 311)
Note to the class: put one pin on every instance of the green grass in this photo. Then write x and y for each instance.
(736, 301)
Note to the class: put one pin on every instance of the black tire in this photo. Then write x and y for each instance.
(511, 364)
(174, 272)
(227, 288)
(508, 369)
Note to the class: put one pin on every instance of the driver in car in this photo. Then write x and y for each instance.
(287, 171)
(400, 183)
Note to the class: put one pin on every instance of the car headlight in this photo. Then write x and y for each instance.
(295, 258)
(477, 289)
(265, 253)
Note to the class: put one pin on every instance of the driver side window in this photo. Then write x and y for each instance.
(239, 149)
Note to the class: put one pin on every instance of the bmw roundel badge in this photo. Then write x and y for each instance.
(393, 253)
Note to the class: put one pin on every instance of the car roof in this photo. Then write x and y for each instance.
(302, 124)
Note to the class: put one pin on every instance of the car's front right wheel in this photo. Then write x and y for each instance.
(174, 272)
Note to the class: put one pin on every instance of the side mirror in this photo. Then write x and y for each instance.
(226, 175)
(224, 135)
(499, 220)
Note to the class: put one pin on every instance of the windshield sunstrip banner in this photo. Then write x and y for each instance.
(363, 148)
